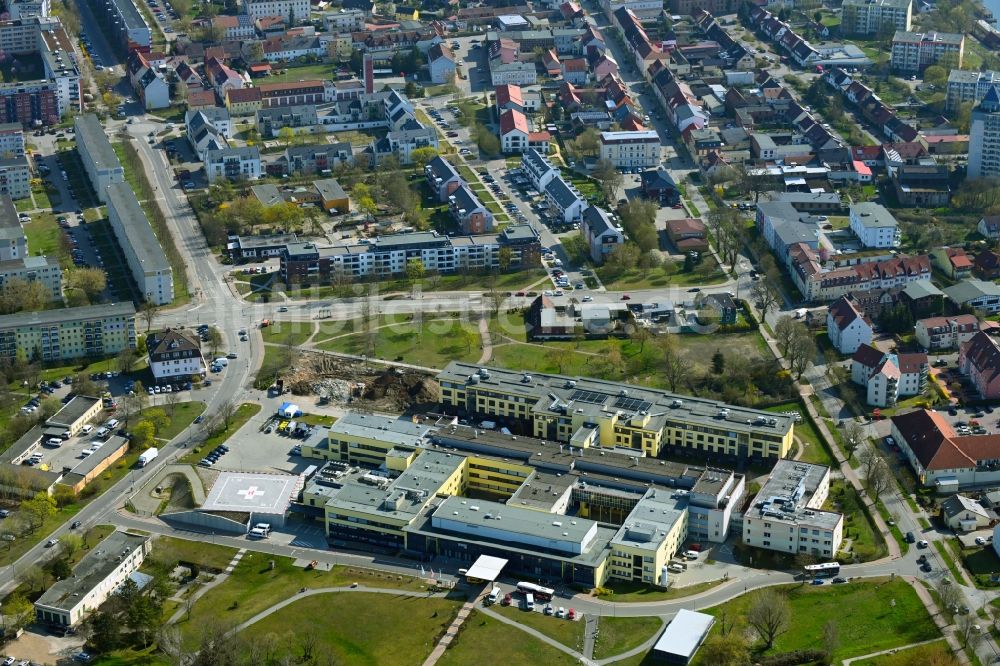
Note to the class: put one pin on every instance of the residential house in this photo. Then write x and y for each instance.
(470, 213)
(564, 200)
(923, 298)
(441, 63)
(874, 225)
(688, 234)
(989, 227)
(514, 131)
(987, 265)
(716, 309)
(538, 169)
(233, 164)
(964, 514)
(442, 178)
(601, 234)
(940, 333)
(940, 457)
(887, 377)
(979, 360)
(925, 185)
(846, 326)
(658, 185)
(953, 262)
(175, 355)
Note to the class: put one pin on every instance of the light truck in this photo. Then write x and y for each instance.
(147, 457)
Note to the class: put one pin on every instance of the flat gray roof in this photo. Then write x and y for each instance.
(685, 633)
(390, 429)
(10, 225)
(95, 566)
(137, 228)
(82, 313)
(257, 493)
(107, 449)
(90, 133)
(130, 14)
(73, 410)
(786, 494)
(652, 518)
(873, 215)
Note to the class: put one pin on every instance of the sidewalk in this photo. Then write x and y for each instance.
(935, 613)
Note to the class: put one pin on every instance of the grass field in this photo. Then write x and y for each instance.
(431, 343)
(567, 632)
(318, 72)
(285, 332)
(206, 555)
(621, 634)
(927, 653)
(626, 591)
(45, 237)
(184, 414)
(882, 615)
(414, 626)
(481, 634)
(254, 586)
(814, 450)
(707, 273)
(866, 543)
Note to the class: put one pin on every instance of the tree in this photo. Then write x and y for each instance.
(421, 156)
(615, 361)
(148, 313)
(17, 295)
(752, 180)
(71, 543)
(34, 577)
(801, 351)
(214, 340)
(726, 650)
(854, 436)
(879, 481)
(37, 510)
(769, 614)
(675, 368)
(414, 270)
(158, 418)
(610, 178)
(84, 385)
(831, 639)
(286, 135)
(948, 594)
(504, 258)
(622, 258)
(936, 75)
(104, 631)
(19, 610)
(172, 399)
(968, 630)
(255, 51)
(226, 412)
(764, 295)
(868, 458)
(718, 362)
(60, 568)
(143, 434)
(126, 360)
(785, 329)
(90, 281)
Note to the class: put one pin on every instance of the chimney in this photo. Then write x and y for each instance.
(369, 74)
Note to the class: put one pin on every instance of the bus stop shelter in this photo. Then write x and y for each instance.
(486, 569)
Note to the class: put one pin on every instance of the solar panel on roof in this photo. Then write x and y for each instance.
(591, 397)
(633, 404)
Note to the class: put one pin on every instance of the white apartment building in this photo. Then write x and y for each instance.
(20, 9)
(233, 164)
(936, 333)
(13, 242)
(175, 354)
(11, 140)
(15, 177)
(846, 326)
(888, 377)
(42, 269)
(869, 17)
(538, 169)
(146, 260)
(965, 86)
(630, 150)
(984, 137)
(98, 157)
(787, 514)
(645, 9)
(874, 225)
(298, 10)
(344, 20)
(915, 51)
(101, 573)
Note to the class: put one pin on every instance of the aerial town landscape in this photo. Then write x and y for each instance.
(336, 332)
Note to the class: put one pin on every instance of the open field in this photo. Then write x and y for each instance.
(706, 273)
(287, 332)
(183, 415)
(514, 646)
(883, 615)
(621, 634)
(627, 591)
(318, 72)
(567, 632)
(254, 586)
(928, 652)
(239, 418)
(431, 343)
(206, 555)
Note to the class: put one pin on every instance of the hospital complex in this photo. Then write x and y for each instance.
(565, 478)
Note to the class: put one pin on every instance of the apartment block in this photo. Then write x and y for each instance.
(984, 137)
(915, 51)
(68, 333)
(44, 269)
(233, 164)
(11, 140)
(871, 17)
(98, 157)
(15, 177)
(938, 333)
(874, 225)
(296, 11)
(787, 515)
(576, 410)
(965, 86)
(631, 150)
(145, 257)
(175, 354)
(126, 27)
(13, 241)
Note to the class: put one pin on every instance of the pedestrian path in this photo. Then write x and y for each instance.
(537, 634)
(848, 662)
(487, 342)
(453, 628)
(215, 582)
(939, 620)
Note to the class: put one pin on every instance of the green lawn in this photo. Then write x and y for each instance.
(926, 653)
(239, 419)
(707, 273)
(168, 550)
(254, 586)
(882, 615)
(318, 71)
(276, 359)
(413, 624)
(626, 591)
(45, 237)
(287, 332)
(867, 544)
(949, 558)
(431, 343)
(814, 450)
(567, 632)
(151, 656)
(621, 634)
(183, 415)
(482, 634)
(317, 419)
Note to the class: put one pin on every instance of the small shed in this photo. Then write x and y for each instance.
(289, 410)
(683, 636)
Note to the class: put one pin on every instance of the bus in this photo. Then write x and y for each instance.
(540, 593)
(825, 570)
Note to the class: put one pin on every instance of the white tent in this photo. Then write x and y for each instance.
(289, 410)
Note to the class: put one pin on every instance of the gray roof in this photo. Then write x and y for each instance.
(90, 132)
(137, 228)
(329, 189)
(559, 190)
(519, 232)
(466, 199)
(922, 289)
(940, 37)
(95, 459)
(72, 411)
(968, 290)
(29, 262)
(99, 562)
(10, 225)
(598, 220)
(537, 161)
(652, 519)
(873, 215)
(786, 494)
(790, 225)
(130, 14)
(82, 313)
(441, 168)
(383, 428)
(243, 152)
(267, 194)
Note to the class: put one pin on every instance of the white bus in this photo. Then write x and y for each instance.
(542, 593)
(825, 570)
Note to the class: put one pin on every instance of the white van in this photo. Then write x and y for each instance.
(53, 441)
(529, 601)
(266, 527)
(257, 533)
(495, 594)
(101, 432)
(676, 568)
(86, 430)
(222, 360)
(112, 424)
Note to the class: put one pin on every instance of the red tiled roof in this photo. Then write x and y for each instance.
(867, 356)
(511, 120)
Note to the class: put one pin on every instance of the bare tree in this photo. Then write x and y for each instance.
(675, 368)
(765, 296)
(948, 594)
(854, 437)
(496, 299)
(226, 412)
(879, 480)
(769, 614)
(969, 632)
(34, 577)
(784, 331)
(171, 400)
(148, 313)
(801, 352)
(869, 459)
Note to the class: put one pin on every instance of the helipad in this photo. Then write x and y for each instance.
(252, 493)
